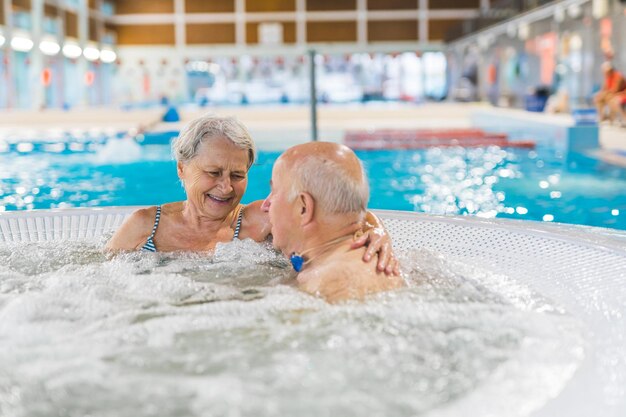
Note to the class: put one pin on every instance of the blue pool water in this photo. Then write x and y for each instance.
(538, 185)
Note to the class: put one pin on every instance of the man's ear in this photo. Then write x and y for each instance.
(307, 208)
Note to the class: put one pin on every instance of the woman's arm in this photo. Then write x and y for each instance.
(134, 232)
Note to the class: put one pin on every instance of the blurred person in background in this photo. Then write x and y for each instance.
(616, 105)
(613, 85)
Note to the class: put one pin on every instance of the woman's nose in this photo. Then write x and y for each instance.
(225, 184)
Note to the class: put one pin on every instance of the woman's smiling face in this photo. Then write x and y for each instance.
(216, 178)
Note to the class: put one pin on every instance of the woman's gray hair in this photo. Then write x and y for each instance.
(329, 183)
(185, 146)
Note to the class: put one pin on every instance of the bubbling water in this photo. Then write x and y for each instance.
(226, 334)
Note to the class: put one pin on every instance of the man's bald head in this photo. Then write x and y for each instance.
(331, 173)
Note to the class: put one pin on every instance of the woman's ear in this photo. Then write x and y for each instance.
(307, 208)
(180, 171)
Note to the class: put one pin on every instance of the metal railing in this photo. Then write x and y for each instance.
(498, 11)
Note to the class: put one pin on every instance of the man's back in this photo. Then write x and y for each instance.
(342, 275)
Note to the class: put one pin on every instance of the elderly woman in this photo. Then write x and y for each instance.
(213, 155)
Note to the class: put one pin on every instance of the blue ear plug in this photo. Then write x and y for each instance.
(297, 261)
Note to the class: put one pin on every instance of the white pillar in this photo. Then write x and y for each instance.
(301, 22)
(179, 25)
(181, 46)
(361, 37)
(36, 57)
(63, 74)
(99, 83)
(423, 21)
(8, 34)
(81, 63)
(240, 23)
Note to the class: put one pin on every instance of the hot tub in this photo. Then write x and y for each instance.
(547, 337)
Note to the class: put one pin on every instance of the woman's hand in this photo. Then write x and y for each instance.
(378, 242)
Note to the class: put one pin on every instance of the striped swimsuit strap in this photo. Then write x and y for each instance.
(238, 227)
(149, 245)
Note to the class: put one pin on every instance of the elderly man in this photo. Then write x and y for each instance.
(316, 207)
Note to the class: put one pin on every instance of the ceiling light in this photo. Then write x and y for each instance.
(49, 47)
(72, 51)
(91, 53)
(107, 56)
(21, 44)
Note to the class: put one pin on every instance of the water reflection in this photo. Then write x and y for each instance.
(539, 184)
(459, 181)
(495, 182)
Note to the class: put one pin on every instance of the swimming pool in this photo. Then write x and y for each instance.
(541, 184)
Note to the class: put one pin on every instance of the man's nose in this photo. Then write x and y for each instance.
(266, 205)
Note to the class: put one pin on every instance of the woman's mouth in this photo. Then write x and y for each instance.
(218, 199)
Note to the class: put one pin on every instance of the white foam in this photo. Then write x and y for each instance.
(221, 334)
(118, 150)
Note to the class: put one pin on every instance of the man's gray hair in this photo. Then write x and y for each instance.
(210, 126)
(334, 189)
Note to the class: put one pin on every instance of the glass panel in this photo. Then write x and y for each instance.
(109, 38)
(434, 75)
(107, 8)
(51, 25)
(73, 3)
(22, 20)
